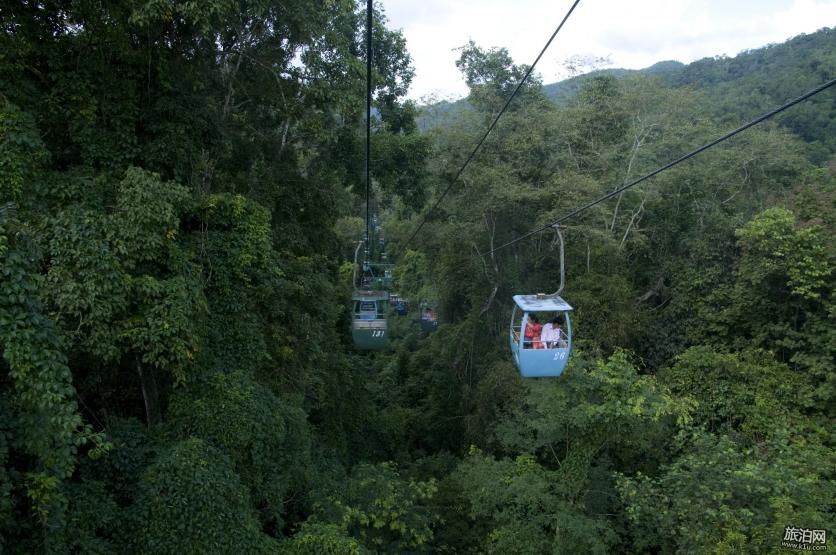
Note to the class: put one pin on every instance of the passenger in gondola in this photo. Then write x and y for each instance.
(368, 311)
(533, 328)
(547, 335)
(558, 335)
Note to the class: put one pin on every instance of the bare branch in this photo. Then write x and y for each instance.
(489, 302)
(633, 219)
(638, 142)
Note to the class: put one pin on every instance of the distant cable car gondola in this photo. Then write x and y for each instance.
(402, 307)
(369, 328)
(400, 304)
(373, 277)
(428, 318)
(538, 354)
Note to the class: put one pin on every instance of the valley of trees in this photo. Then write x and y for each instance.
(181, 193)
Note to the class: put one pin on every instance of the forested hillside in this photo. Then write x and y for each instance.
(181, 196)
(746, 85)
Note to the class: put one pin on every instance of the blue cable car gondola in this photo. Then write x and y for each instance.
(402, 307)
(544, 351)
(400, 304)
(538, 357)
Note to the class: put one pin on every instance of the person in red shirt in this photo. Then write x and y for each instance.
(532, 333)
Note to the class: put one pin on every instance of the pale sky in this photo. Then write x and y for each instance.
(632, 34)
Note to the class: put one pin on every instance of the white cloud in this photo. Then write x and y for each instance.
(633, 34)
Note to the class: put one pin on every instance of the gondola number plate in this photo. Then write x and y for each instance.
(378, 333)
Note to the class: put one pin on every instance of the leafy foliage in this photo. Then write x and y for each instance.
(382, 510)
(563, 437)
(719, 498)
(266, 440)
(193, 486)
(52, 428)
(21, 150)
(322, 539)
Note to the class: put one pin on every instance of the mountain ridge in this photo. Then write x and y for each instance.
(755, 79)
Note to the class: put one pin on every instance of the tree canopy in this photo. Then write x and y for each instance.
(181, 196)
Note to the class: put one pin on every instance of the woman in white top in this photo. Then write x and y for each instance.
(546, 335)
(553, 334)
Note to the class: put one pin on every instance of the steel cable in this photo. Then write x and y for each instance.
(490, 128)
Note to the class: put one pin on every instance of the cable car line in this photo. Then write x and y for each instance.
(490, 128)
(543, 350)
(667, 166)
(369, 327)
(369, 14)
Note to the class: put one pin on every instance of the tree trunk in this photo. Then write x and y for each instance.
(150, 395)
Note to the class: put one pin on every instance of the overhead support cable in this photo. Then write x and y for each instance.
(490, 128)
(667, 166)
(369, 14)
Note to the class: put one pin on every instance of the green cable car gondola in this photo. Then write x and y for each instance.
(369, 328)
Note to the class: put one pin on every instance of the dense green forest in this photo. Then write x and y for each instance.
(181, 194)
